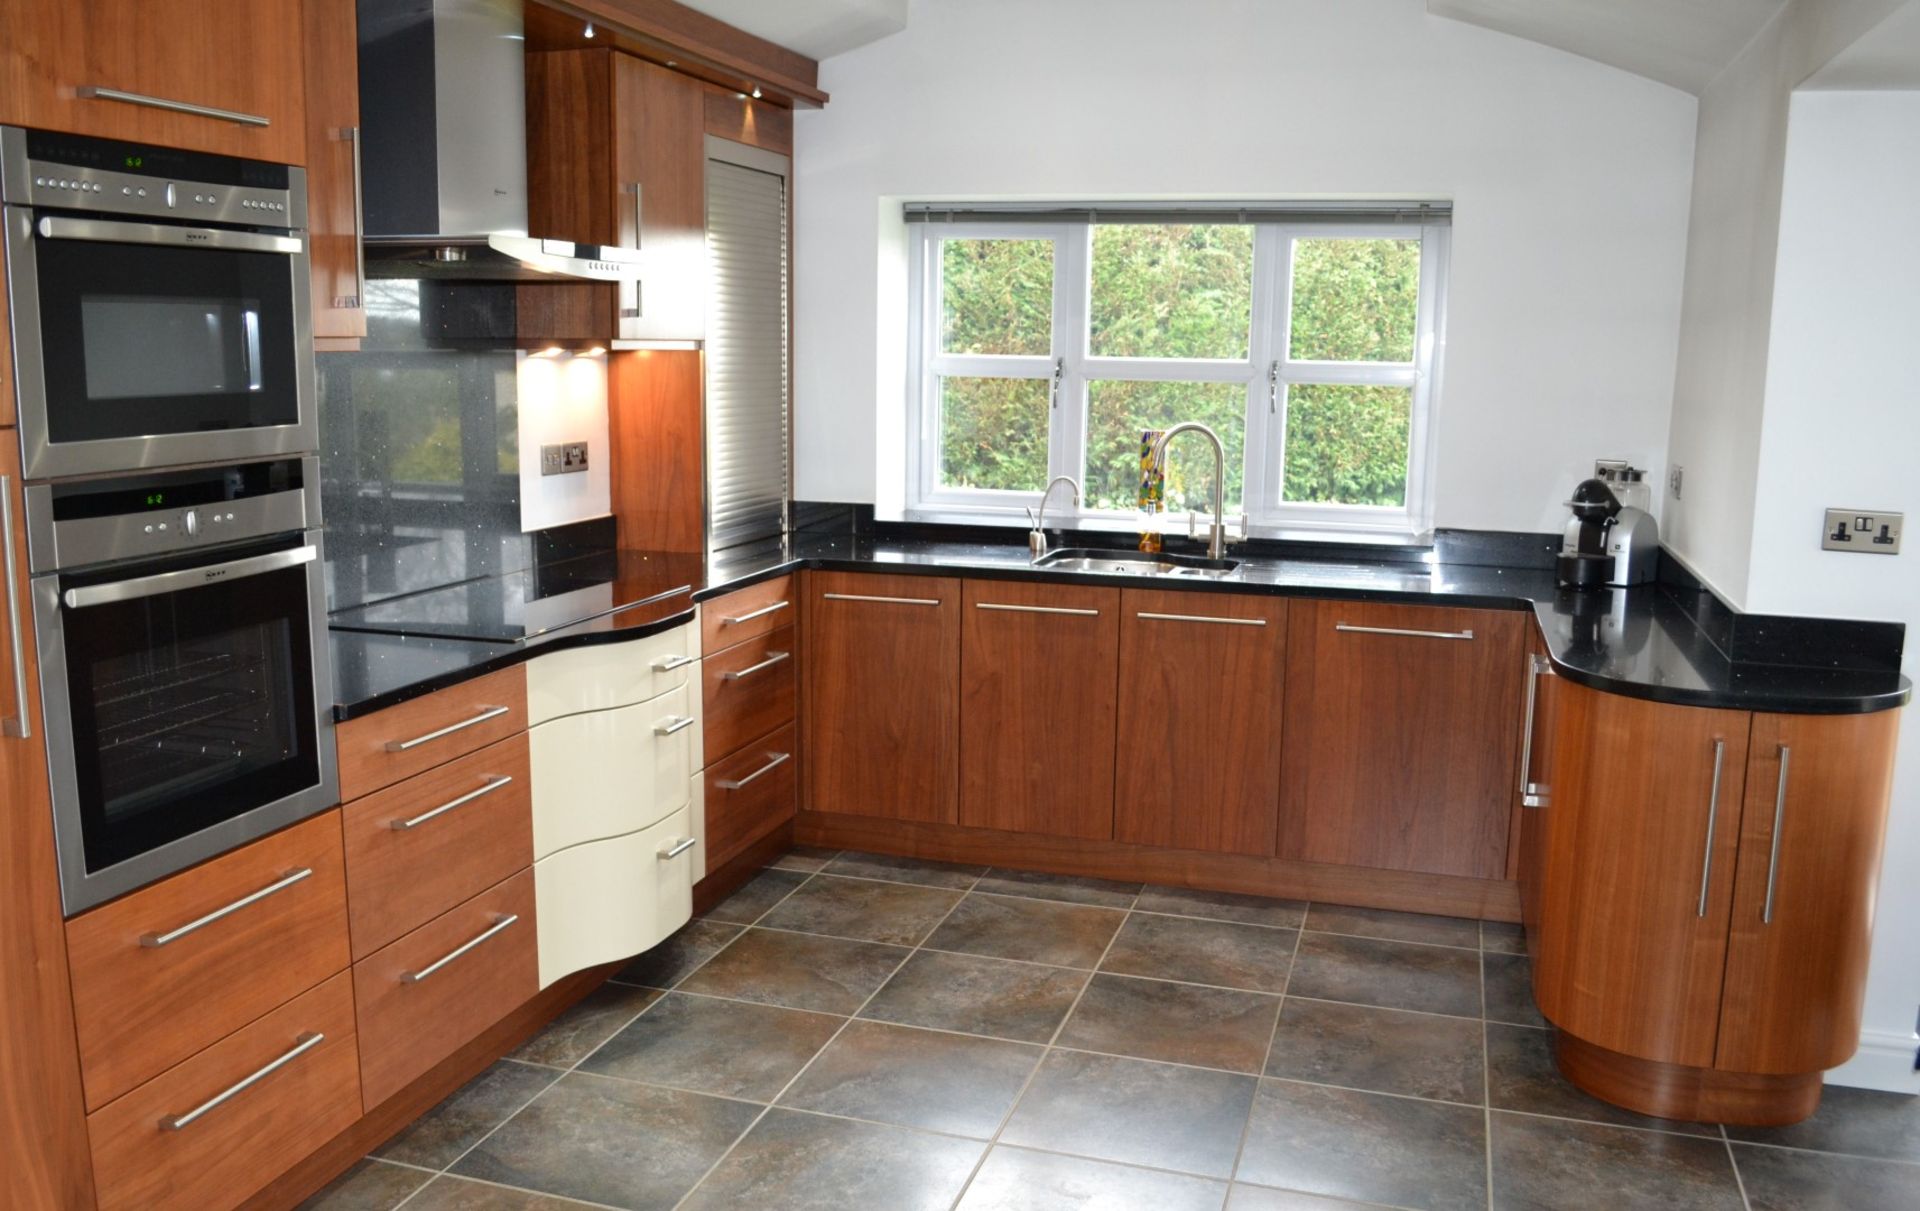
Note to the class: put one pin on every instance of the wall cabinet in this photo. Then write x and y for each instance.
(1197, 764)
(1400, 747)
(331, 50)
(209, 75)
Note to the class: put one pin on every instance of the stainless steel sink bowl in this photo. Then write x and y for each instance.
(1133, 563)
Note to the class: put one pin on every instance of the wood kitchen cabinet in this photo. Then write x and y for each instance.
(1039, 668)
(881, 711)
(331, 48)
(1197, 764)
(207, 75)
(1401, 738)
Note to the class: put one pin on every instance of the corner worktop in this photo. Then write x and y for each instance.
(1640, 642)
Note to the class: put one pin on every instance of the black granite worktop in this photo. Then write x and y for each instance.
(1644, 642)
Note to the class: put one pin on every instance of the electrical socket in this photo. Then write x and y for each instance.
(564, 458)
(1863, 531)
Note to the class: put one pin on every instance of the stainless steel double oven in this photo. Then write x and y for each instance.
(163, 361)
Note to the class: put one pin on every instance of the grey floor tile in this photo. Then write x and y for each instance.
(1222, 906)
(1541, 1163)
(1510, 990)
(726, 1048)
(977, 995)
(1781, 1179)
(1394, 926)
(1134, 1111)
(1521, 1076)
(1179, 1023)
(609, 1141)
(754, 897)
(1382, 1050)
(371, 1185)
(864, 909)
(1076, 889)
(804, 858)
(955, 1083)
(799, 971)
(1395, 975)
(1503, 937)
(1865, 1122)
(1203, 952)
(1014, 1179)
(1035, 931)
(1366, 1146)
(463, 1194)
(905, 870)
(805, 1162)
(1264, 1198)
(593, 1020)
(680, 955)
(435, 1138)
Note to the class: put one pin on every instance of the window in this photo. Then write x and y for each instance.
(1045, 344)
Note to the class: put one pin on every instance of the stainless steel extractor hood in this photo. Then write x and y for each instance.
(444, 149)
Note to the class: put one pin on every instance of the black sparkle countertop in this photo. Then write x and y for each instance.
(1640, 642)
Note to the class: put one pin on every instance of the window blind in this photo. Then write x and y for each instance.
(1180, 213)
(747, 462)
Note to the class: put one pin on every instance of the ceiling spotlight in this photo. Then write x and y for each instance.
(588, 32)
(756, 92)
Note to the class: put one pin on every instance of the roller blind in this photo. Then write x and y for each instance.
(1179, 213)
(747, 473)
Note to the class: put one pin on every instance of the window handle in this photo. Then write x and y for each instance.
(1059, 368)
(1273, 389)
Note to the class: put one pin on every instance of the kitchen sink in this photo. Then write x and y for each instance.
(1133, 563)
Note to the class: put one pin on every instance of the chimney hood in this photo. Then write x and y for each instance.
(443, 149)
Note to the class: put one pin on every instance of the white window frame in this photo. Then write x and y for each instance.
(1265, 368)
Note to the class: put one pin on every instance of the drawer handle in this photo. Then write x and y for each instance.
(762, 612)
(486, 713)
(677, 848)
(932, 601)
(666, 664)
(414, 977)
(1341, 626)
(1232, 622)
(1535, 794)
(1779, 818)
(672, 724)
(750, 670)
(779, 759)
(1027, 609)
(153, 941)
(401, 826)
(235, 116)
(1713, 812)
(305, 1043)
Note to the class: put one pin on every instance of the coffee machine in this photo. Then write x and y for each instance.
(1606, 541)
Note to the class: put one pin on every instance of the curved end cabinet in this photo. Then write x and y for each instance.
(1700, 885)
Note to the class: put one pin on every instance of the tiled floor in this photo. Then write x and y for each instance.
(853, 1032)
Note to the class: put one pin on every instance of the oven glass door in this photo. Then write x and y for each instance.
(143, 340)
(189, 706)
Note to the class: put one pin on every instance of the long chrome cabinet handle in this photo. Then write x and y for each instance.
(486, 713)
(19, 725)
(401, 826)
(750, 670)
(672, 724)
(666, 664)
(677, 848)
(353, 302)
(1027, 609)
(1231, 622)
(1713, 813)
(305, 1043)
(1779, 818)
(932, 601)
(237, 117)
(187, 578)
(1360, 630)
(1532, 794)
(154, 941)
(779, 759)
(414, 977)
(113, 231)
(762, 612)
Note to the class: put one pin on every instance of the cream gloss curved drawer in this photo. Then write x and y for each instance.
(604, 773)
(612, 899)
(604, 675)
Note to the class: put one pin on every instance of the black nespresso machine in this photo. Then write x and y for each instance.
(1606, 542)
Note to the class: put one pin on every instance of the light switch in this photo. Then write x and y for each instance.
(1863, 531)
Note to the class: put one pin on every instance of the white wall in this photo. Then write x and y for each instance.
(563, 398)
(1569, 179)
(1842, 428)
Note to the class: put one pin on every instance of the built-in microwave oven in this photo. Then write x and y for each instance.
(159, 303)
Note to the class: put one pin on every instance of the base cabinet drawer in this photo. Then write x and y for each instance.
(748, 691)
(604, 675)
(175, 966)
(424, 997)
(607, 773)
(382, 748)
(220, 1126)
(749, 795)
(417, 849)
(612, 899)
(745, 613)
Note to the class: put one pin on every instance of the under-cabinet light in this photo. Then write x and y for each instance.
(587, 32)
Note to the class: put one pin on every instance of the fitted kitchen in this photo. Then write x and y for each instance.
(915, 604)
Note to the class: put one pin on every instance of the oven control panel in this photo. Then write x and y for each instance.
(105, 176)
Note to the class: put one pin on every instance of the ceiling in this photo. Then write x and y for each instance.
(1684, 43)
(815, 28)
(1887, 57)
